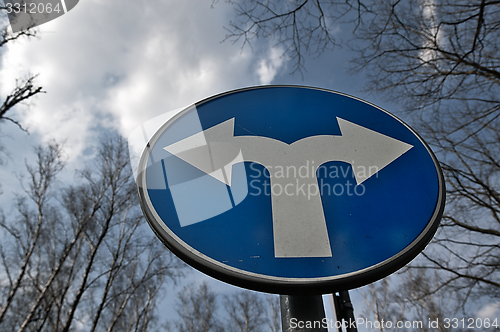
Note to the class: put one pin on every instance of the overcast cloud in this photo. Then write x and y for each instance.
(117, 64)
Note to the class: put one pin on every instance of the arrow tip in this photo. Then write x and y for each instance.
(208, 150)
(371, 150)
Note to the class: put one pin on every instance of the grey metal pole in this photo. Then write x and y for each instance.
(345, 311)
(303, 313)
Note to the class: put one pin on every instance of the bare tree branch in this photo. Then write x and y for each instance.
(305, 27)
(102, 264)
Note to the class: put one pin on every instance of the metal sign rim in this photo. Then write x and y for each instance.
(282, 285)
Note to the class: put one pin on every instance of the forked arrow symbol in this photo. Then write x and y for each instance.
(299, 225)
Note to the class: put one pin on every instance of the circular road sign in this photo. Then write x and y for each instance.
(290, 189)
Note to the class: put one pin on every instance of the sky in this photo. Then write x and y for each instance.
(111, 66)
(107, 66)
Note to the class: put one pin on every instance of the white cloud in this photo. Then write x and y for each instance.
(268, 67)
(490, 310)
(133, 59)
(433, 35)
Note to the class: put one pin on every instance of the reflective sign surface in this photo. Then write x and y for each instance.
(291, 189)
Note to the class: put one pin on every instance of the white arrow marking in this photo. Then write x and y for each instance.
(299, 225)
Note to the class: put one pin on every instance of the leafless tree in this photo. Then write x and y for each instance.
(196, 307)
(413, 302)
(440, 60)
(246, 311)
(273, 313)
(301, 27)
(381, 305)
(24, 88)
(79, 256)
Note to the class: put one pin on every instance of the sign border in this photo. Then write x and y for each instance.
(281, 285)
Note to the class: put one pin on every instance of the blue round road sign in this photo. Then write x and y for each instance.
(291, 190)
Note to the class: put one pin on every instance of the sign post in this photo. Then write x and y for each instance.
(345, 311)
(302, 313)
(291, 190)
